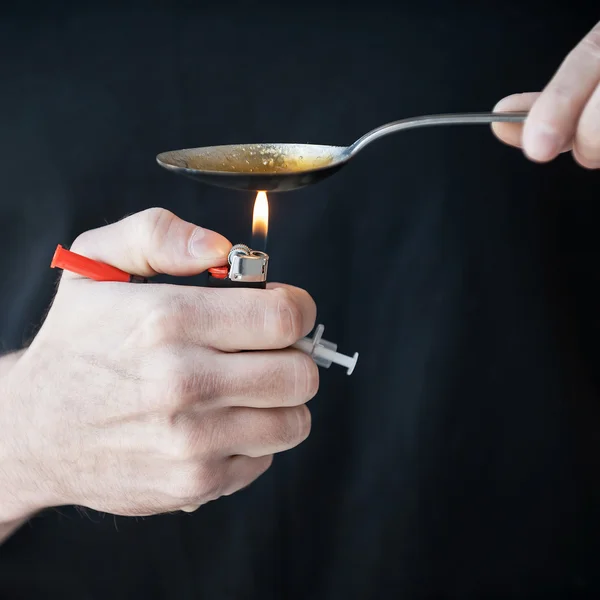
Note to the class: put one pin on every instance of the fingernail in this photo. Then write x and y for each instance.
(205, 243)
(542, 142)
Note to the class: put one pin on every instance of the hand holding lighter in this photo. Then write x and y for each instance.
(246, 269)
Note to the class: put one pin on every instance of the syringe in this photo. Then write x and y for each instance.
(324, 352)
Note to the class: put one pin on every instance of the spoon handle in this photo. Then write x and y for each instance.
(430, 120)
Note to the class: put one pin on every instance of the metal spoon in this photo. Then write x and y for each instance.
(284, 167)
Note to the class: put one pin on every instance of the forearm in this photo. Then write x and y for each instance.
(7, 526)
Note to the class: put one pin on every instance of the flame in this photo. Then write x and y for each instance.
(260, 218)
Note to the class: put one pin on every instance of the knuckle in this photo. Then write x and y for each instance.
(188, 385)
(282, 433)
(208, 313)
(197, 483)
(202, 385)
(560, 96)
(210, 481)
(168, 381)
(190, 437)
(288, 324)
(260, 465)
(291, 426)
(306, 376)
(177, 384)
(155, 222)
(304, 422)
(160, 325)
(201, 315)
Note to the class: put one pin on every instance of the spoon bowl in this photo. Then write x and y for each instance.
(257, 167)
(284, 167)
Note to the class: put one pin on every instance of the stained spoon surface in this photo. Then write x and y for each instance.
(284, 167)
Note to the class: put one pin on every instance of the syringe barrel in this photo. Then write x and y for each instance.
(305, 345)
(308, 346)
(324, 353)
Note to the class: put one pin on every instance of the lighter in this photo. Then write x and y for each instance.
(248, 269)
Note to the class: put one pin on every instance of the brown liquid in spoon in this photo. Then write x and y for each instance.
(258, 158)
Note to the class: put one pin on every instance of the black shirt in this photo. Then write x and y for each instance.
(460, 460)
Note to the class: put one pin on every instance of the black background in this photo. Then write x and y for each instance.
(461, 458)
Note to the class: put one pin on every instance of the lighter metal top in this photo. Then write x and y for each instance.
(247, 265)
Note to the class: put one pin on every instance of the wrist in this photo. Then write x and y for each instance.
(21, 490)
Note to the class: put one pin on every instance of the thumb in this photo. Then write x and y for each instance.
(154, 241)
(511, 133)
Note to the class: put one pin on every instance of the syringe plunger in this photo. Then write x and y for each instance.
(324, 352)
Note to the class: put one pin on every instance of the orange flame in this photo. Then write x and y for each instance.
(260, 218)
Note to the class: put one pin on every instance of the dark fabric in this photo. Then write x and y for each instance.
(461, 458)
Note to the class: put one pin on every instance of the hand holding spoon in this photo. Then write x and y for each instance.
(284, 167)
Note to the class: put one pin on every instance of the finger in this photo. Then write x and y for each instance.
(257, 432)
(510, 133)
(235, 473)
(553, 119)
(266, 379)
(246, 319)
(243, 471)
(154, 241)
(587, 138)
